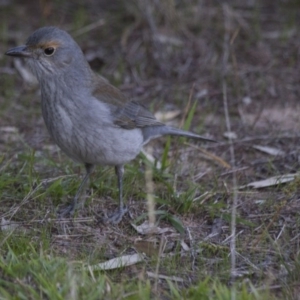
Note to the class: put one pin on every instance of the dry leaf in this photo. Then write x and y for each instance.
(201, 94)
(247, 100)
(184, 246)
(8, 226)
(146, 228)
(230, 135)
(271, 181)
(164, 39)
(159, 276)
(118, 262)
(167, 116)
(9, 134)
(269, 150)
(151, 159)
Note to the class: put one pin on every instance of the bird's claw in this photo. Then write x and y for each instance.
(69, 210)
(116, 217)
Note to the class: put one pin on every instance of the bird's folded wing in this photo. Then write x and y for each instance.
(126, 114)
(134, 115)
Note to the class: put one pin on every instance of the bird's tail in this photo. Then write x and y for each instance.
(157, 131)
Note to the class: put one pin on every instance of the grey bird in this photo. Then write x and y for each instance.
(88, 118)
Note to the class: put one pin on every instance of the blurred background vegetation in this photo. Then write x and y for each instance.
(157, 50)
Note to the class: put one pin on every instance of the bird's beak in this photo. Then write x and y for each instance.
(20, 51)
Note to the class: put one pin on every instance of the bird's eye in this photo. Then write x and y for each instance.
(49, 51)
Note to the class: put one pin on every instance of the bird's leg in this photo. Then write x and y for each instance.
(120, 172)
(72, 207)
(118, 215)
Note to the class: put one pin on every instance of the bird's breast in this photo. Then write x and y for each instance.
(84, 130)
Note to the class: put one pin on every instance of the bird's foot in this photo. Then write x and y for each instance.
(66, 211)
(116, 217)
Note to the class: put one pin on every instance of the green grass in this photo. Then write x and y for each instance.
(39, 260)
(44, 258)
(30, 271)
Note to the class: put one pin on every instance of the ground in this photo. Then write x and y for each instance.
(224, 69)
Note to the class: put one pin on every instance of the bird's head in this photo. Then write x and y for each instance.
(49, 51)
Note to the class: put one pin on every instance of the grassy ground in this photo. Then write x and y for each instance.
(214, 66)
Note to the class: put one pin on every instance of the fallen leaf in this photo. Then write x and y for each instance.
(151, 159)
(9, 134)
(184, 246)
(8, 225)
(146, 228)
(159, 276)
(269, 150)
(230, 135)
(271, 181)
(118, 262)
(165, 39)
(167, 116)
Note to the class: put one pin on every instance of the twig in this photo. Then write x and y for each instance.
(234, 171)
(150, 192)
(50, 220)
(193, 255)
(213, 157)
(188, 106)
(274, 218)
(89, 27)
(162, 246)
(249, 262)
(251, 139)
(231, 147)
(33, 191)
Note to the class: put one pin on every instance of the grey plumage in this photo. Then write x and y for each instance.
(89, 119)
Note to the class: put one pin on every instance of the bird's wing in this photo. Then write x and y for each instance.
(133, 115)
(126, 114)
